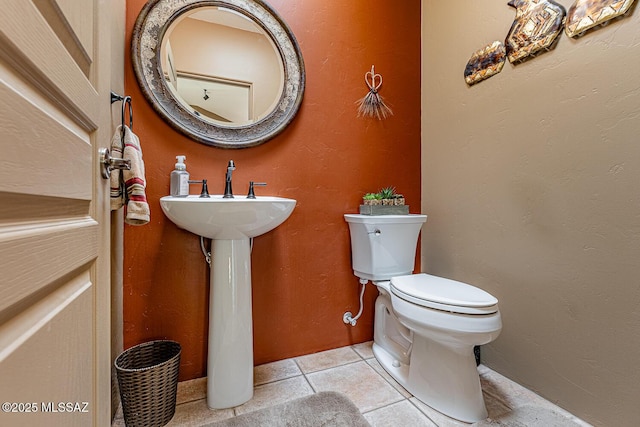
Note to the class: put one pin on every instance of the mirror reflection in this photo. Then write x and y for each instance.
(222, 66)
(226, 73)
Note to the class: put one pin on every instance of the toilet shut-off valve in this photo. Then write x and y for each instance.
(348, 317)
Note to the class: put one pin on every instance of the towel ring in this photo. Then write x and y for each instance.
(126, 103)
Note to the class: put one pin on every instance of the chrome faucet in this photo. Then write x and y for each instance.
(228, 191)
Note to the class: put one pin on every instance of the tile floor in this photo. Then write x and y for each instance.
(355, 372)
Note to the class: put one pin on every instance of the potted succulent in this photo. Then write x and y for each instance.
(390, 197)
(372, 199)
(384, 202)
(387, 195)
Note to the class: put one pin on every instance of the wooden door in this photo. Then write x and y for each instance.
(54, 223)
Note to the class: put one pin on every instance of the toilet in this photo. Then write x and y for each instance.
(425, 326)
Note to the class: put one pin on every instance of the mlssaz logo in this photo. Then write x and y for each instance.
(65, 407)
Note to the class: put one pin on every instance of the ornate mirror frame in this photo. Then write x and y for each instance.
(152, 23)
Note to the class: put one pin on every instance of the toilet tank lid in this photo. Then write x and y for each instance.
(385, 219)
(445, 291)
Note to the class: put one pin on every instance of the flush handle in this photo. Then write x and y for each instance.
(376, 232)
(108, 163)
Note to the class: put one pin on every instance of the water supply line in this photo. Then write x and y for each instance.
(207, 255)
(348, 317)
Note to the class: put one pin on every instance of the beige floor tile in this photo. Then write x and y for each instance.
(194, 414)
(366, 383)
(439, 419)
(118, 420)
(531, 416)
(359, 382)
(513, 395)
(380, 370)
(327, 359)
(191, 390)
(501, 388)
(510, 393)
(399, 414)
(483, 369)
(275, 371)
(495, 407)
(275, 393)
(364, 349)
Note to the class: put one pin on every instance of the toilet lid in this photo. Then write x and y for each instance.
(443, 294)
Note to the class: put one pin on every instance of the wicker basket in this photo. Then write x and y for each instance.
(148, 380)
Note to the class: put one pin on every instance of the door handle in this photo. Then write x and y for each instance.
(108, 163)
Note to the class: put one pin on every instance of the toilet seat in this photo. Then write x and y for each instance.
(443, 294)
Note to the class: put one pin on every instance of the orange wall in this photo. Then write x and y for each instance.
(326, 160)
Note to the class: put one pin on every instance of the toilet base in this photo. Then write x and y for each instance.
(447, 379)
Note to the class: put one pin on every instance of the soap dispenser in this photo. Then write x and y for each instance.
(180, 178)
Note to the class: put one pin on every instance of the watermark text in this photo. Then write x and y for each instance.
(48, 407)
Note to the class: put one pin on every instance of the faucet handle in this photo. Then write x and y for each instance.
(251, 194)
(205, 190)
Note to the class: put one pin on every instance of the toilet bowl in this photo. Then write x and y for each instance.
(438, 365)
(425, 326)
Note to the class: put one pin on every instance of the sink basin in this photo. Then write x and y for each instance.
(230, 223)
(228, 219)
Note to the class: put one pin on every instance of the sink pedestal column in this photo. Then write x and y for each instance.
(230, 358)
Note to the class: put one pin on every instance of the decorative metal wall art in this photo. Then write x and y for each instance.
(586, 14)
(485, 63)
(536, 27)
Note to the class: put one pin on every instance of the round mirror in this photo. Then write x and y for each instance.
(227, 73)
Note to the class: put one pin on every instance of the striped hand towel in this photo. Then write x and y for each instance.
(137, 211)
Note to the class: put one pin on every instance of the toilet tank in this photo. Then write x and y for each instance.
(383, 246)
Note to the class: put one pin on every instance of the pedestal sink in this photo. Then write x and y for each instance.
(230, 223)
